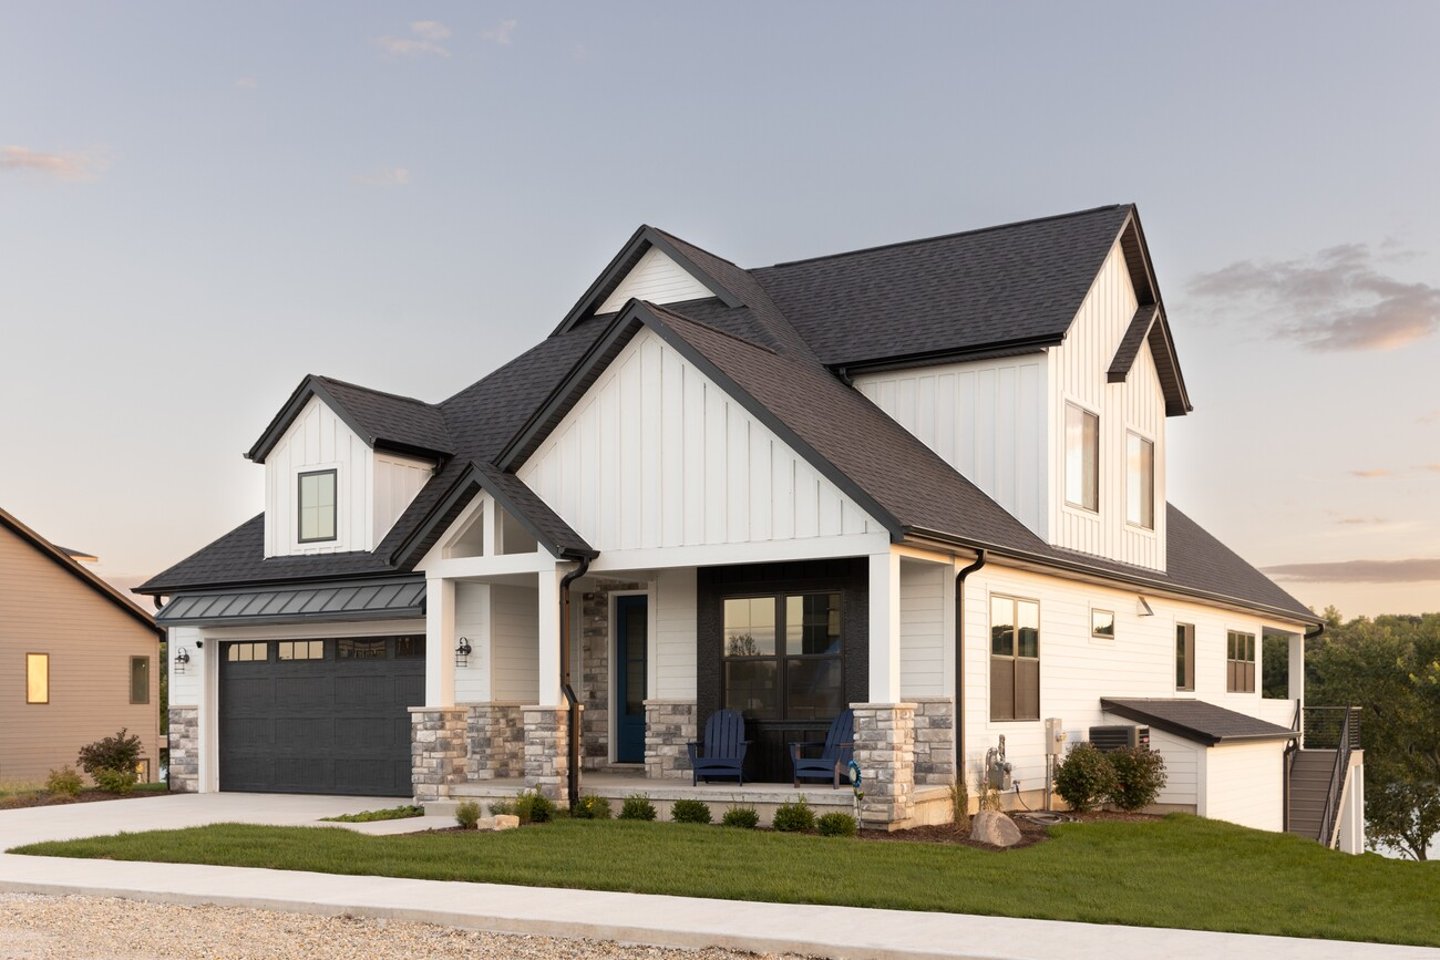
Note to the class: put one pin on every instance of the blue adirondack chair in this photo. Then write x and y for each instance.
(835, 753)
(724, 748)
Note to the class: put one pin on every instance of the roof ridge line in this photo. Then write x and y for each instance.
(705, 250)
(705, 326)
(941, 236)
(380, 393)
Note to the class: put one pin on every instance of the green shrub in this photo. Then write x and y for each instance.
(404, 812)
(836, 825)
(745, 817)
(534, 807)
(690, 811)
(502, 808)
(796, 817)
(468, 815)
(64, 782)
(591, 807)
(1139, 777)
(637, 806)
(110, 753)
(1085, 778)
(115, 781)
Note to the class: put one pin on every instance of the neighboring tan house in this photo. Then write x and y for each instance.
(78, 660)
(925, 480)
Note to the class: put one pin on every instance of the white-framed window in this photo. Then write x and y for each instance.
(1082, 458)
(1102, 624)
(315, 505)
(1139, 481)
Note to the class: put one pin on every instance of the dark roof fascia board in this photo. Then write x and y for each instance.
(313, 386)
(1129, 348)
(1147, 290)
(1137, 579)
(987, 351)
(73, 567)
(641, 241)
(1185, 732)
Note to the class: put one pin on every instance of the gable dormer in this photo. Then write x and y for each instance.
(341, 465)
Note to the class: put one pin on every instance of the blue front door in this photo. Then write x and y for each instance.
(631, 626)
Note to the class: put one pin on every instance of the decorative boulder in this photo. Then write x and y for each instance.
(994, 828)
(505, 821)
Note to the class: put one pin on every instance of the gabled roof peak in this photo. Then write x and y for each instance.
(402, 424)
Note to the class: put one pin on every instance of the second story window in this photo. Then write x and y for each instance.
(1082, 458)
(316, 506)
(1139, 481)
(1239, 662)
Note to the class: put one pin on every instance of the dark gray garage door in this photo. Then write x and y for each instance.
(319, 716)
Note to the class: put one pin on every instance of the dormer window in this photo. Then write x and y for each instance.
(317, 506)
(1082, 458)
(1139, 481)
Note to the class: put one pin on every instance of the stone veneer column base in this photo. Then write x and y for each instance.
(669, 726)
(547, 757)
(495, 733)
(437, 750)
(885, 751)
(934, 741)
(184, 749)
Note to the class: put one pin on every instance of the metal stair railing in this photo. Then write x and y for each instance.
(1338, 729)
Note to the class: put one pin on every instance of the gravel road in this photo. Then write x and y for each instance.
(92, 928)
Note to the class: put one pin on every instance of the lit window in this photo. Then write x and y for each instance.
(247, 652)
(37, 678)
(300, 650)
(317, 506)
(1139, 481)
(1082, 458)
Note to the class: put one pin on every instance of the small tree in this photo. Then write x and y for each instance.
(1085, 778)
(1139, 777)
(119, 753)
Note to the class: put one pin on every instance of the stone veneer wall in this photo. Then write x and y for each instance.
(669, 726)
(495, 734)
(885, 751)
(934, 741)
(595, 671)
(185, 749)
(547, 759)
(437, 750)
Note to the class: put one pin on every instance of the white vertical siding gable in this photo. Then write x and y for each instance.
(658, 279)
(318, 439)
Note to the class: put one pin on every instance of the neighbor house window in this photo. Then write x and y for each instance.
(1139, 481)
(1014, 659)
(139, 679)
(1184, 656)
(37, 678)
(1102, 624)
(1082, 458)
(1240, 662)
(782, 656)
(317, 506)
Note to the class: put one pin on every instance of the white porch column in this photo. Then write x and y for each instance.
(885, 627)
(1297, 666)
(440, 642)
(548, 635)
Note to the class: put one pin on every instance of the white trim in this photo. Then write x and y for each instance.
(818, 548)
(460, 568)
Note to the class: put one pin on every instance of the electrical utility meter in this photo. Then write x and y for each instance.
(1055, 737)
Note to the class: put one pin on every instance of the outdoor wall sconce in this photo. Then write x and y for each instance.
(462, 653)
(1143, 608)
(181, 659)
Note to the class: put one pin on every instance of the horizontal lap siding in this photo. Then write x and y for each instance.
(675, 638)
(1182, 766)
(922, 630)
(658, 279)
(472, 621)
(514, 647)
(44, 609)
(1244, 784)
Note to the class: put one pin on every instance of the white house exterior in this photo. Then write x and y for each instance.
(924, 482)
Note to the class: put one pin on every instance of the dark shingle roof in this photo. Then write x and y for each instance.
(1196, 720)
(403, 424)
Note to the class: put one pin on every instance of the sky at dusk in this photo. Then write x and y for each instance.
(199, 205)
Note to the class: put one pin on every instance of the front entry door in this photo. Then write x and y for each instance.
(631, 640)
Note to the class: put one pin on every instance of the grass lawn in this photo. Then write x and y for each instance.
(1178, 872)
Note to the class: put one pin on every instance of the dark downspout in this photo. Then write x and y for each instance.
(960, 662)
(572, 773)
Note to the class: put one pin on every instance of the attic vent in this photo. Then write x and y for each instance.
(1119, 736)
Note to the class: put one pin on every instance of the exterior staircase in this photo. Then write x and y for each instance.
(1310, 772)
(1316, 773)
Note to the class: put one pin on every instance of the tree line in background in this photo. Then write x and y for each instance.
(1388, 666)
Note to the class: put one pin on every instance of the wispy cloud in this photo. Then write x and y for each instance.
(1432, 467)
(1362, 521)
(1371, 474)
(1359, 571)
(425, 40)
(385, 177)
(1432, 417)
(502, 33)
(85, 165)
(1337, 299)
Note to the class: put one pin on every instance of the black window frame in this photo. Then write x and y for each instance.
(300, 506)
(1239, 661)
(1185, 657)
(133, 688)
(1012, 662)
(780, 655)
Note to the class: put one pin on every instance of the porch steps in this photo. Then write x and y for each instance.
(1309, 785)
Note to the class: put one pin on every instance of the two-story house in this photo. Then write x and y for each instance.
(925, 481)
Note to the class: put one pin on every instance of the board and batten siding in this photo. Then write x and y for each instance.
(657, 455)
(45, 609)
(924, 660)
(1078, 369)
(986, 418)
(658, 279)
(371, 490)
(514, 643)
(675, 646)
(1184, 760)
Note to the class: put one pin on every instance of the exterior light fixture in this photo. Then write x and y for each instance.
(462, 653)
(1143, 608)
(182, 657)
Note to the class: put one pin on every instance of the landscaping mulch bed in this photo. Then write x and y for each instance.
(1030, 832)
(43, 799)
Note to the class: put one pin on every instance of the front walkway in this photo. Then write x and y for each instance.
(638, 918)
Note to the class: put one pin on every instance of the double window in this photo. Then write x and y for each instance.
(1240, 662)
(782, 656)
(316, 506)
(1014, 659)
(1139, 481)
(1082, 458)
